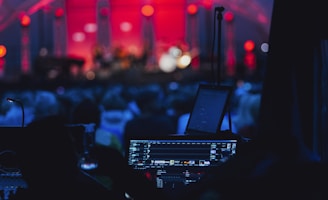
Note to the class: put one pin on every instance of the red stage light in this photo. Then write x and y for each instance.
(147, 10)
(59, 12)
(249, 45)
(229, 16)
(3, 51)
(207, 4)
(192, 9)
(250, 60)
(249, 57)
(25, 20)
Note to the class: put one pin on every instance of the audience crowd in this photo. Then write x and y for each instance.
(119, 110)
(100, 118)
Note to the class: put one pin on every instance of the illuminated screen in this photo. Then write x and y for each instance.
(210, 106)
(176, 162)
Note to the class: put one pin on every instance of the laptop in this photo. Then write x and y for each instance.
(211, 104)
(172, 163)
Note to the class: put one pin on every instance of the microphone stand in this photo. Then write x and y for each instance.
(219, 17)
(20, 103)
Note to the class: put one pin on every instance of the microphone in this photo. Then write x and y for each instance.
(20, 103)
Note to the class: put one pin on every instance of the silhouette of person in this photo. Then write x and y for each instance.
(153, 119)
(48, 162)
(264, 168)
(247, 115)
(114, 114)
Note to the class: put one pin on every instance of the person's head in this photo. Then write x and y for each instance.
(46, 104)
(46, 153)
(113, 100)
(150, 99)
(86, 112)
(247, 114)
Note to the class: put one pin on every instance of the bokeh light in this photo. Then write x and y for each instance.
(249, 45)
(3, 51)
(126, 26)
(59, 12)
(192, 9)
(167, 63)
(25, 20)
(147, 10)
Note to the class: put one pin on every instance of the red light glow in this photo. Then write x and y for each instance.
(25, 21)
(192, 9)
(147, 10)
(59, 12)
(249, 45)
(148, 175)
(250, 60)
(229, 16)
(3, 51)
(207, 4)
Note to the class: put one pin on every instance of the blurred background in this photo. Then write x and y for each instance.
(52, 51)
(68, 57)
(132, 41)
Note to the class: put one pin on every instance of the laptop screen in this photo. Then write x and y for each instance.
(210, 106)
(174, 162)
